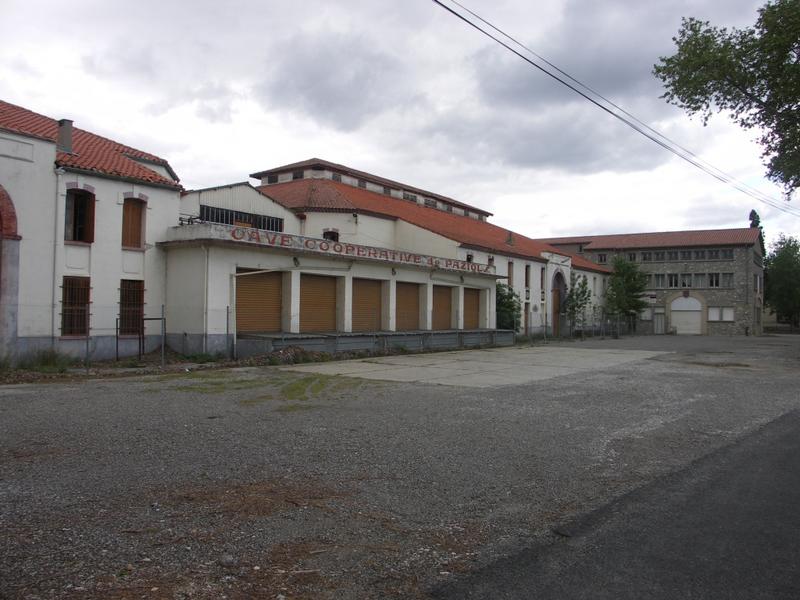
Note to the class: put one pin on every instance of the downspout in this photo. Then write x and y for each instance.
(59, 172)
(205, 304)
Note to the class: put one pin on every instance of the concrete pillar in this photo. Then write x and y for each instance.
(457, 314)
(344, 303)
(290, 310)
(426, 305)
(488, 313)
(389, 305)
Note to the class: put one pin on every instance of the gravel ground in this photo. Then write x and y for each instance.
(259, 483)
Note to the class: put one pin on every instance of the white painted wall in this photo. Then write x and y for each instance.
(39, 195)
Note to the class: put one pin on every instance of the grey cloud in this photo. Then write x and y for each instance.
(567, 138)
(336, 79)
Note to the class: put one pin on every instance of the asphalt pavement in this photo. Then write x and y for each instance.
(726, 526)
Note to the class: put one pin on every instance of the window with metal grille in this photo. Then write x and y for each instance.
(336, 176)
(272, 179)
(297, 174)
(727, 254)
(686, 255)
(409, 196)
(75, 297)
(672, 255)
(430, 203)
(79, 216)
(131, 307)
(212, 214)
(658, 255)
(133, 212)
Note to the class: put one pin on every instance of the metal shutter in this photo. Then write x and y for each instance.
(258, 302)
(472, 305)
(442, 306)
(317, 303)
(407, 295)
(366, 305)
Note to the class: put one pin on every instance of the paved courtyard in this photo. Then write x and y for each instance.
(481, 368)
(312, 483)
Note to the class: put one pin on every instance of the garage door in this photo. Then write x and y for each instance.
(442, 307)
(317, 304)
(258, 302)
(366, 305)
(687, 316)
(407, 317)
(472, 306)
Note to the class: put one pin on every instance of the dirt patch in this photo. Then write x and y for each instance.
(258, 499)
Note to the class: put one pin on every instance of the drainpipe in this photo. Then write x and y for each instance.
(205, 304)
(59, 172)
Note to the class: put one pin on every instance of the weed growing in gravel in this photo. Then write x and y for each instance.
(203, 357)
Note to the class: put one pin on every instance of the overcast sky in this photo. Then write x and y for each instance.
(403, 90)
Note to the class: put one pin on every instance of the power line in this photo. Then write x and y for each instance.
(617, 112)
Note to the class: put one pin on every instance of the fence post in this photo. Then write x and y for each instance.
(88, 331)
(163, 337)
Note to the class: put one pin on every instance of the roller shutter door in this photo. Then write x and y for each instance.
(258, 302)
(407, 297)
(442, 307)
(472, 306)
(317, 304)
(366, 305)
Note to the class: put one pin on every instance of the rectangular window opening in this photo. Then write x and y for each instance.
(79, 216)
(75, 298)
(133, 213)
(131, 307)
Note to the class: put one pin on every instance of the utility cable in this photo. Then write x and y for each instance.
(632, 122)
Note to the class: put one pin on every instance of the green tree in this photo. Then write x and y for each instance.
(752, 73)
(755, 221)
(625, 288)
(578, 298)
(509, 308)
(782, 267)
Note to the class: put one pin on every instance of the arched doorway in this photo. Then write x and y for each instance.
(9, 269)
(558, 294)
(687, 315)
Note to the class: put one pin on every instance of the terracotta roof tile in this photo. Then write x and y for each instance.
(326, 195)
(318, 163)
(90, 152)
(663, 239)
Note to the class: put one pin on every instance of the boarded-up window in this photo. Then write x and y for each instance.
(472, 305)
(317, 303)
(442, 307)
(75, 297)
(79, 216)
(407, 296)
(132, 223)
(131, 307)
(258, 302)
(366, 305)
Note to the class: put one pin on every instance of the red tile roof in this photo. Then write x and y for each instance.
(663, 239)
(318, 163)
(324, 195)
(90, 152)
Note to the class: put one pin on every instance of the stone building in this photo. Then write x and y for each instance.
(707, 282)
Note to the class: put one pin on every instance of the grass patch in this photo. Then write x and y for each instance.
(290, 408)
(47, 361)
(202, 357)
(257, 400)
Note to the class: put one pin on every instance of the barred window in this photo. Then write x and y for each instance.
(131, 307)
(672, 255)
(658, 255)
(79, 216)
(713, 254)
(75, 298)
(212, 214)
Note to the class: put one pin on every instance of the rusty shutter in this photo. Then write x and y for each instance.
(407, 295)
(317, 303)
(366, 305)
(472, 306)
(442, 306)
(258, 302)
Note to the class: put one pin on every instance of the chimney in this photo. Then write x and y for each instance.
(64, 142)
(510, 238)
